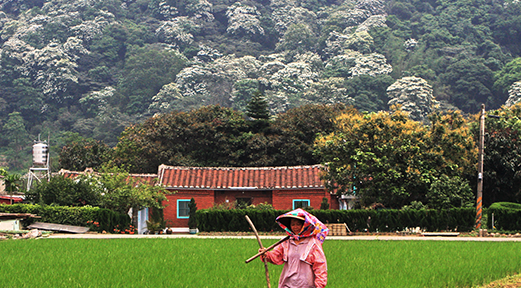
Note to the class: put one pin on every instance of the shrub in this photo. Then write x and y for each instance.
(384, 220)
(507, 216)
(192, 221)
(98, 219)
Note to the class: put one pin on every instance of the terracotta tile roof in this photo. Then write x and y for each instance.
(245, 177)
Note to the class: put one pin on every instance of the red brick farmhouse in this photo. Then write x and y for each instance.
(282, 187)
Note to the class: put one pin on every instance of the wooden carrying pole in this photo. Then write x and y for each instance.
(262, 247)
(267, 249)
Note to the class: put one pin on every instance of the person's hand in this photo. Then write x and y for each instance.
(263, 257)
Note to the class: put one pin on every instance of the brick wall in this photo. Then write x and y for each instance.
(283, 199)
(203, 198)
(280, 199)
(257, 197)
(333, 202)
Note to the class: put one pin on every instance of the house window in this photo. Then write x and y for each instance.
(243, 203)
(182, 208)
(300, 203)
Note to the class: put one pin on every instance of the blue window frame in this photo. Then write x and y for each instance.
(300, 203)
(183, 211)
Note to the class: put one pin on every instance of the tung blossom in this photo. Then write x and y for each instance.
(243, 19)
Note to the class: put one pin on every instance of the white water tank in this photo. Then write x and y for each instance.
(40, 152)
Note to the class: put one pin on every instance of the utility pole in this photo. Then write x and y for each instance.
(479, 206)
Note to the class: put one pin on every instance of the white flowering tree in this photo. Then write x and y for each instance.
(162, 101)
(327, 91)
(295, 77)
(177, 31)
(375, 7)
(372, 64)
(286, 13)
(371, 22)
(414, 95)
(243, 20)
(214, 81)
(353, 63)
(96, 102)
(52, 69)
(167, 11)
(514, 94)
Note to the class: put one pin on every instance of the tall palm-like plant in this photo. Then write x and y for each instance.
(12, 184)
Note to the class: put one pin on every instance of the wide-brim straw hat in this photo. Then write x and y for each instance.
(286, 219)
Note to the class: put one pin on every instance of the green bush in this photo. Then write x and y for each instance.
(98, 219)
(63, 191)
(507, 216)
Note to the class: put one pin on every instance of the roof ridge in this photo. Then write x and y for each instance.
(163, 166)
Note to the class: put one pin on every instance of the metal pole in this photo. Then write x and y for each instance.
(479, 205)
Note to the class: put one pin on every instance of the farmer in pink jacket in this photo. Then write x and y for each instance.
(304, 261)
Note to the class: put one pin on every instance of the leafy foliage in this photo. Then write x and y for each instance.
(113, 189)
(63, 191)
(216, 136)
(106, 220)
(460, 219)
(501, 179)
(192, 220)
(390, 159)
(97, 68)
(85, 153)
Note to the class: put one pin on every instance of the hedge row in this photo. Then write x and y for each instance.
(98, 219)
(506, 216)
(457, 219)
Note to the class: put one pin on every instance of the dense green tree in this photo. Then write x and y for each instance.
(390, 159)
(64, 191)
(19, 142)
(298, 38)
(12, 183)
(504, 78)
(258, 110)
(501, 164)
(471, 85)
(257, 107)
(216, 136)
(369, 92)
(243, 92)
(294, 133)
(146, 71)
(14, 129)
(209, 136)
(120, 191)
(113, 188)
(85, 153)
(449, 192)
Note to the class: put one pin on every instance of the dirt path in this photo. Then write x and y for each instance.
(508, 282)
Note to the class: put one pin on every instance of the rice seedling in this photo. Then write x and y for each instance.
(201, 263)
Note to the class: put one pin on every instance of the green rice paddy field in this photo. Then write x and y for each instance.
(200, 263)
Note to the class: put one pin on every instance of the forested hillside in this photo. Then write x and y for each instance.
(72, 69)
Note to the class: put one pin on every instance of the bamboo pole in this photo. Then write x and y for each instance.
(267, 249)
(262, 247)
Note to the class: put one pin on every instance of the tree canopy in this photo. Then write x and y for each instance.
(389, 159)
(96, 70)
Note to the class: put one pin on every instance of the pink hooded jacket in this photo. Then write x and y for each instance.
(310, 250)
